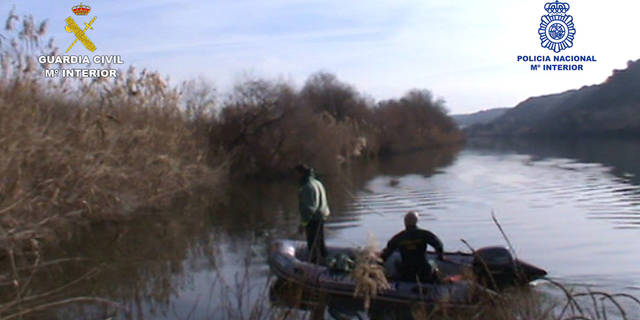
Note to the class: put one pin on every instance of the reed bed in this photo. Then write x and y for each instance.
(76, 152)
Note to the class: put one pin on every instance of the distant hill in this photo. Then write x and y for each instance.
(480, 117)
(611, 108)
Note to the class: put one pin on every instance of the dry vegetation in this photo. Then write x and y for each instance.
(269, 127)
(369, 274)
(77, 151)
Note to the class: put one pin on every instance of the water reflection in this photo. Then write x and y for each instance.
(604, 174)
(620, 155)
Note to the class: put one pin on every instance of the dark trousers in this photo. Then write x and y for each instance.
(315, 241)
(412, 272)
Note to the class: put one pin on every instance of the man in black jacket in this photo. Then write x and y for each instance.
(412, 243)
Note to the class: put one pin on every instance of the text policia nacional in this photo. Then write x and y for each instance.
(560, 62)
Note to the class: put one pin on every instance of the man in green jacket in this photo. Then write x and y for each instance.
(314, 209)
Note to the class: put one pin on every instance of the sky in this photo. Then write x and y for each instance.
(463, 51)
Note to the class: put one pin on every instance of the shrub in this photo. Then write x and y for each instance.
(414, 122)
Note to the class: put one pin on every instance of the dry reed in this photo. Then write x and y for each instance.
(79, 151)
(369, 274)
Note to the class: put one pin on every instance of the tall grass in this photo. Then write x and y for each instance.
(76, 152)
(88, 150)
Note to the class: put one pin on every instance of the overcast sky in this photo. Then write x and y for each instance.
(463, 51)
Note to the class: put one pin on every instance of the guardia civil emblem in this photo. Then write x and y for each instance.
(556, 28)
(72, 27)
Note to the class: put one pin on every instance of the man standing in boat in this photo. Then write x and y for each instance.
(314, 209)
(412, 244)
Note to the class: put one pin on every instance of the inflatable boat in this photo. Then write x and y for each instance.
(461, 274)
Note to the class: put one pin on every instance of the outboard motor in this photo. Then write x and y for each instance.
(495, 267)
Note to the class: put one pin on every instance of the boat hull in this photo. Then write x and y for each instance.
(288, 261)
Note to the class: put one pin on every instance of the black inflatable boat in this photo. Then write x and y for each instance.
(492, 267)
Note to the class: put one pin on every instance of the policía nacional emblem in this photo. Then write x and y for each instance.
(557, 30)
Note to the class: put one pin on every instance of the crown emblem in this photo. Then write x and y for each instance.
(81, 9)
(557, 8)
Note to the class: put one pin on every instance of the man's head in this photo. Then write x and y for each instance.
(302, 170)
(411, 219)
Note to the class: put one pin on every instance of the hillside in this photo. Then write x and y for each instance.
(480, 117)
(611, 108)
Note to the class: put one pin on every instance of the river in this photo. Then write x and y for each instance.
(569, 206)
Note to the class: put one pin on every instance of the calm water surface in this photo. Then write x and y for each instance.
(571, 207)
